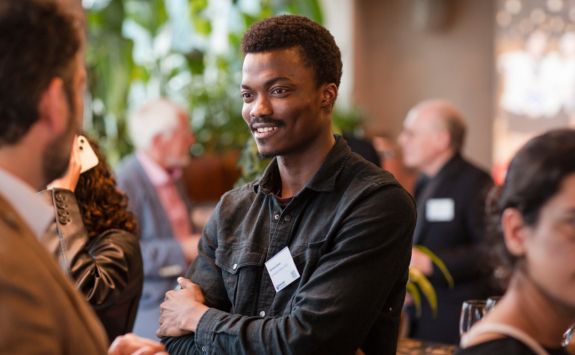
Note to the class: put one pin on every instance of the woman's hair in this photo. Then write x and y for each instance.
(534, 176)
(102, 205)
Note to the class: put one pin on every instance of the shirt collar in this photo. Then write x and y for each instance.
(323, 180)
(27, 203)
(158, 175)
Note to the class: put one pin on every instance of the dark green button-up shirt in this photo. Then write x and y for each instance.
(349, 233)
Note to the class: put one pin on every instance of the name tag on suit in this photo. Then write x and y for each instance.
(439, 210)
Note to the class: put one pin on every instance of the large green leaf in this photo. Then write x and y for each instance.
(438, 262)
(417, 278)
(413, 291)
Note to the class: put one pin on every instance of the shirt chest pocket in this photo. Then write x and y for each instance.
(241, 269)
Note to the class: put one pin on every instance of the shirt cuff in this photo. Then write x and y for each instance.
(206, 329)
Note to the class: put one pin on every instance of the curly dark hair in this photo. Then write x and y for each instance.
(317, 45)
(38, 43)
(102, 205)
(533, 178)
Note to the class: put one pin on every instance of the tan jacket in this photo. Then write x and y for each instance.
(40, 311)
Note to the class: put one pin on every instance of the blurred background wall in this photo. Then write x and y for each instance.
(395, 54)
(399, 62)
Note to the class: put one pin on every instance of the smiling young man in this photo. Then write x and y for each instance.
(312, 257)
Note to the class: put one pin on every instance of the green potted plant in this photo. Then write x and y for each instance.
(419, 285)
(184, 50)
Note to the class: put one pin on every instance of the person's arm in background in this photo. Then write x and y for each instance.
(99, 266)
(368, 258)
(66, 236)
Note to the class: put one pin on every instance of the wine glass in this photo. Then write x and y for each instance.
(568, 336)
(491, 302)
(471, 312)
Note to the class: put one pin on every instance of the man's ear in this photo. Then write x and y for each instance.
(53, 108)
(328, 96)
(514, 231)
(443, 139)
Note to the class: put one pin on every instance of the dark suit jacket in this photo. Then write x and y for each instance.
(456, 242)
(161, 253)
(40, 311)
(363, 147)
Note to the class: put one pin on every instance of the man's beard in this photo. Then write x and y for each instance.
(56, 156)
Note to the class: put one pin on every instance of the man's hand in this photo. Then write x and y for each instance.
(181, 310)
(131, 344)
(421, 262)
(408, 299)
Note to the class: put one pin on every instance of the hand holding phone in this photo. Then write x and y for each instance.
(82, 158)
(88, 159)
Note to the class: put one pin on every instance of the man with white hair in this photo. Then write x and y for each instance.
(450, 194)
(151, 177)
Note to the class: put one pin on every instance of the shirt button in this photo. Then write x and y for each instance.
(287, 218)
(276, 216)
(204, 348)
(262, 313)
(235, 266)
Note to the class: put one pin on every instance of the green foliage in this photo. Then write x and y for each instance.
(346, 120)
(418, 283)
(143, 49)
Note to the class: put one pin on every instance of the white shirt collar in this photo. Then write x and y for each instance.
(29, 205)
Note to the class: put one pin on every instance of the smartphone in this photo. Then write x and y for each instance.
(88, 159)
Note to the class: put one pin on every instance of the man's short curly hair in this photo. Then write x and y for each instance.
(317, 45)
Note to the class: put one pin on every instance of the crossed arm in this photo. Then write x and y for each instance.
(367, 265)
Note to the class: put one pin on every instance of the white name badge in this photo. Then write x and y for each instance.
(282, 269)
(439, 210)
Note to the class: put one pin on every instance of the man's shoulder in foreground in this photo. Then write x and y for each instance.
(36, 301)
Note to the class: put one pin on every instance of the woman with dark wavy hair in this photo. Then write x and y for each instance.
(533, 215)
(94, 240)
